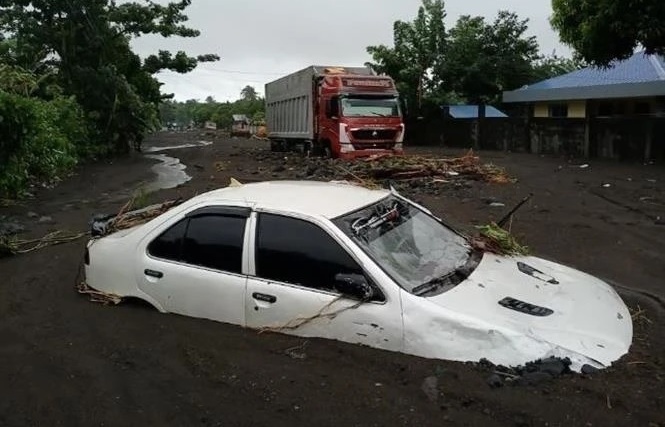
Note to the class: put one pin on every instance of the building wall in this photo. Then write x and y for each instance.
(576, 109)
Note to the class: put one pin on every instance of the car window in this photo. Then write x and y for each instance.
(212, 241)
(295, 251)
(169, 244)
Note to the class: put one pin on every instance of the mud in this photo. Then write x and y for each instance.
(66, 361)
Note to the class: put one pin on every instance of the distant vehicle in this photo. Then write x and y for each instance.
(240, 126)
(340, 112)
(342, 262)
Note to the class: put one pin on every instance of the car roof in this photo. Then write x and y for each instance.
(313, 198)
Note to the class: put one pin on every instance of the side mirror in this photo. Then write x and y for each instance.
(354, 285)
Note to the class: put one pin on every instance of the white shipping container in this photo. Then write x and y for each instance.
(290, 103)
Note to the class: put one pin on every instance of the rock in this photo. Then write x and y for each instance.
(45, 219)
(534, 378)
(497, 205)
(554, 367)
(495, 381)
(9, 228)
(588, 370)
(430, 387)
(33, 214)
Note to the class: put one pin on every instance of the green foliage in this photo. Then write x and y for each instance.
(604, 30)
(38, 140)
(87, 43)
(181, 114)
(484, 59)
(475, 61)
(419, 46)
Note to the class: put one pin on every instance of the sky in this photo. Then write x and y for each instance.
(260, 40)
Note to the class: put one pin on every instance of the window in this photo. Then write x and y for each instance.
(332, 107)
(208, 240)
(558, 110)
(169, 244)
(298, 252)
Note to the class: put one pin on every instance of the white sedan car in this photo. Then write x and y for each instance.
(338, 261)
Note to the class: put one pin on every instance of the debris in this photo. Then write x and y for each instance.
(103, 224)
(497, 205)
(495, 381)
(607, 185)
(495, 239)
(45, 219)
(97, 296)
(13, 246)
(297, 352)
(33, 215)
(9, 227)
(588, 370)
(584, 166)
(430, 387)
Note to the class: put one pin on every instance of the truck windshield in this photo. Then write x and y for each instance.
(411, 246)
(370, 106)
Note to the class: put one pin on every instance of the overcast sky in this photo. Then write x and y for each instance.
(260, 40)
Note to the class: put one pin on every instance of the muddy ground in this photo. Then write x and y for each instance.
(66, 361)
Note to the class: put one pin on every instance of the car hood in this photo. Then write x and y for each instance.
(576, 313)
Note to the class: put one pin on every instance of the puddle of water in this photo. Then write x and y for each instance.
(170, 173)
(175, 147)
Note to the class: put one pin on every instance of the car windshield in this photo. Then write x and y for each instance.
(366, 106)
(411, 246)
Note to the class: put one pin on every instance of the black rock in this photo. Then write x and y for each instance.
(495, 381)
(588, 370)
(534, 378)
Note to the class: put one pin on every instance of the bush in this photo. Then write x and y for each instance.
(38, 140)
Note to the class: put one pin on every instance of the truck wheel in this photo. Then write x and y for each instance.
(322, 149)
(276, 146)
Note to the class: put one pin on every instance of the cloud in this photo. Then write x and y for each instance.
(259, 40)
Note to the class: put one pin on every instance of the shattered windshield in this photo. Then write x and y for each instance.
(368, 106)
(412, 247)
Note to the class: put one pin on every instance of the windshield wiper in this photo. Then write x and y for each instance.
(451, 279)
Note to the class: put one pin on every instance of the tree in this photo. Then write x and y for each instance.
(248, 93)
(484, 59)
(601, 31)
(86, 42)
(553, 65)
(418, 47)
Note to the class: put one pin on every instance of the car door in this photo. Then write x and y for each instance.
(194, 266)
(291, 287)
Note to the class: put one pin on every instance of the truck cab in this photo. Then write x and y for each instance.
(359, 116)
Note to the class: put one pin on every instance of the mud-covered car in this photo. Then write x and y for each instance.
(342, 262)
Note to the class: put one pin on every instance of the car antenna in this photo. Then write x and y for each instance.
(505, 219)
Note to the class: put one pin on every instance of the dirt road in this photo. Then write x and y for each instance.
(66, 361)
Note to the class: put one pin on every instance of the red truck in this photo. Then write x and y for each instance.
(339, 112)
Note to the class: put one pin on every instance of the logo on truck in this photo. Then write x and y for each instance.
(385, 83)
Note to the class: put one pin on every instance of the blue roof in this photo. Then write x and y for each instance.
(639, 75)
(636, 69)
(471, 111)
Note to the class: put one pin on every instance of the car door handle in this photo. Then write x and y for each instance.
(264, 297)
(153, 273)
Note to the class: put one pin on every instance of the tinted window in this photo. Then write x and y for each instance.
(169, 244)
(298, 252)
(215, 241)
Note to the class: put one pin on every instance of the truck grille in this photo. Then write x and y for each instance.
(374, 134)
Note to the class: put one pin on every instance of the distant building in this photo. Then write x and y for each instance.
(240, 125)
(620, 109)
